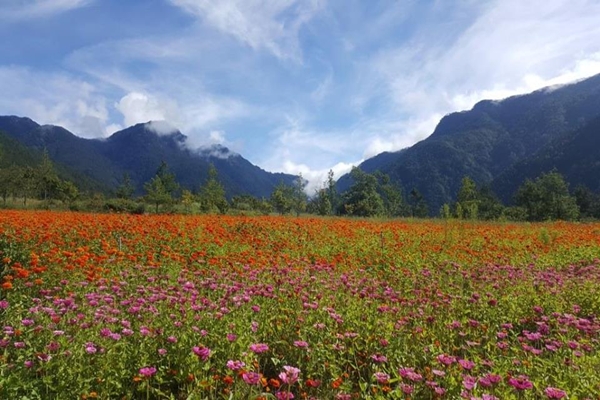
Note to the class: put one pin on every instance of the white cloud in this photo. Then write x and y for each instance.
(513, 47)
(272, 25)
(54, 98)
(31, 9)
(316, 177)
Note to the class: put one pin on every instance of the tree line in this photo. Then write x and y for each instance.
(370, 195)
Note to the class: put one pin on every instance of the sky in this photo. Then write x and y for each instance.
(297, 86)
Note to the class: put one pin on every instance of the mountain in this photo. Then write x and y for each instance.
(138, 151)
(488, 140)
(575, 155)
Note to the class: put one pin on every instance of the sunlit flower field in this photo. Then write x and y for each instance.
(222, 307)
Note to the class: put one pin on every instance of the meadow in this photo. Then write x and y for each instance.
(115, 306)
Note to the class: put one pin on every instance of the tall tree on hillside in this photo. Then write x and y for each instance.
(391, 194)
(282, 198)
(362, 198)
(212, 194)
(547, 198)
(468, 198)
(125, 189)
(162, 187)
(47, 179)
(419, 208)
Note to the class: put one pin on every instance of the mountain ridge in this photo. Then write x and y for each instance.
(487, 140)
(138, 151)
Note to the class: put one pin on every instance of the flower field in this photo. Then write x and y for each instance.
(222, 307)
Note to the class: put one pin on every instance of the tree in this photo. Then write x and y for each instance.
(419, 208)
(46, 177)
(156, 193)
(282, 198)
(587, 201)
(321, 203)
(299, 197)
(162, 187)
(125, 189)
(332, 193)
(468, 198)
(362, 198)
(547, 198)
(67, 192)
(212, 194)
(393, 201)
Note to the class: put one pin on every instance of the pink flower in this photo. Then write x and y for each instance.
(466, 364)
(231, 337)
(378, 358)
(469, 382)
(258, 348)
(147, 371)
(284, 395)
(235, 365)
(251, 378)
(410, 374)
(202, 352)
(554, 393)
(301, 344)
(381, 377)
(521, 382)
(290, 375)
(446, 359)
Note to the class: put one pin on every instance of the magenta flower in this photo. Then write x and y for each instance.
(410, 374)
(290, 375)
(284, 395)
(469, 382)
(202, 352)
(231, 337)
(490, 380)
(378, 358)
(90, 348)
(147, 371)
(251, 378)
(381, 377)
(235, 365)
(521, 382)
(301, 344)
(554, 393)
(446, 359)
(258, 348)
(466, 364)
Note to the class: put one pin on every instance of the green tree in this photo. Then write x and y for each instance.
(468, 198)
(212, 194)
(587, 201)
(362, 198)
(332, 193)
(162, 187)
(490, 208)
(321, 203)
(46, 177)
(28, 185)
(125, 189)
(419, 208)
(547, 198)
(299, 197)
(282, 198)
(391, 194)
(67, 192)
(156, 193)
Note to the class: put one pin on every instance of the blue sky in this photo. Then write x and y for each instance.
(292, 85)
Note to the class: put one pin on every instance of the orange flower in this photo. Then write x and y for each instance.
(7, 286)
